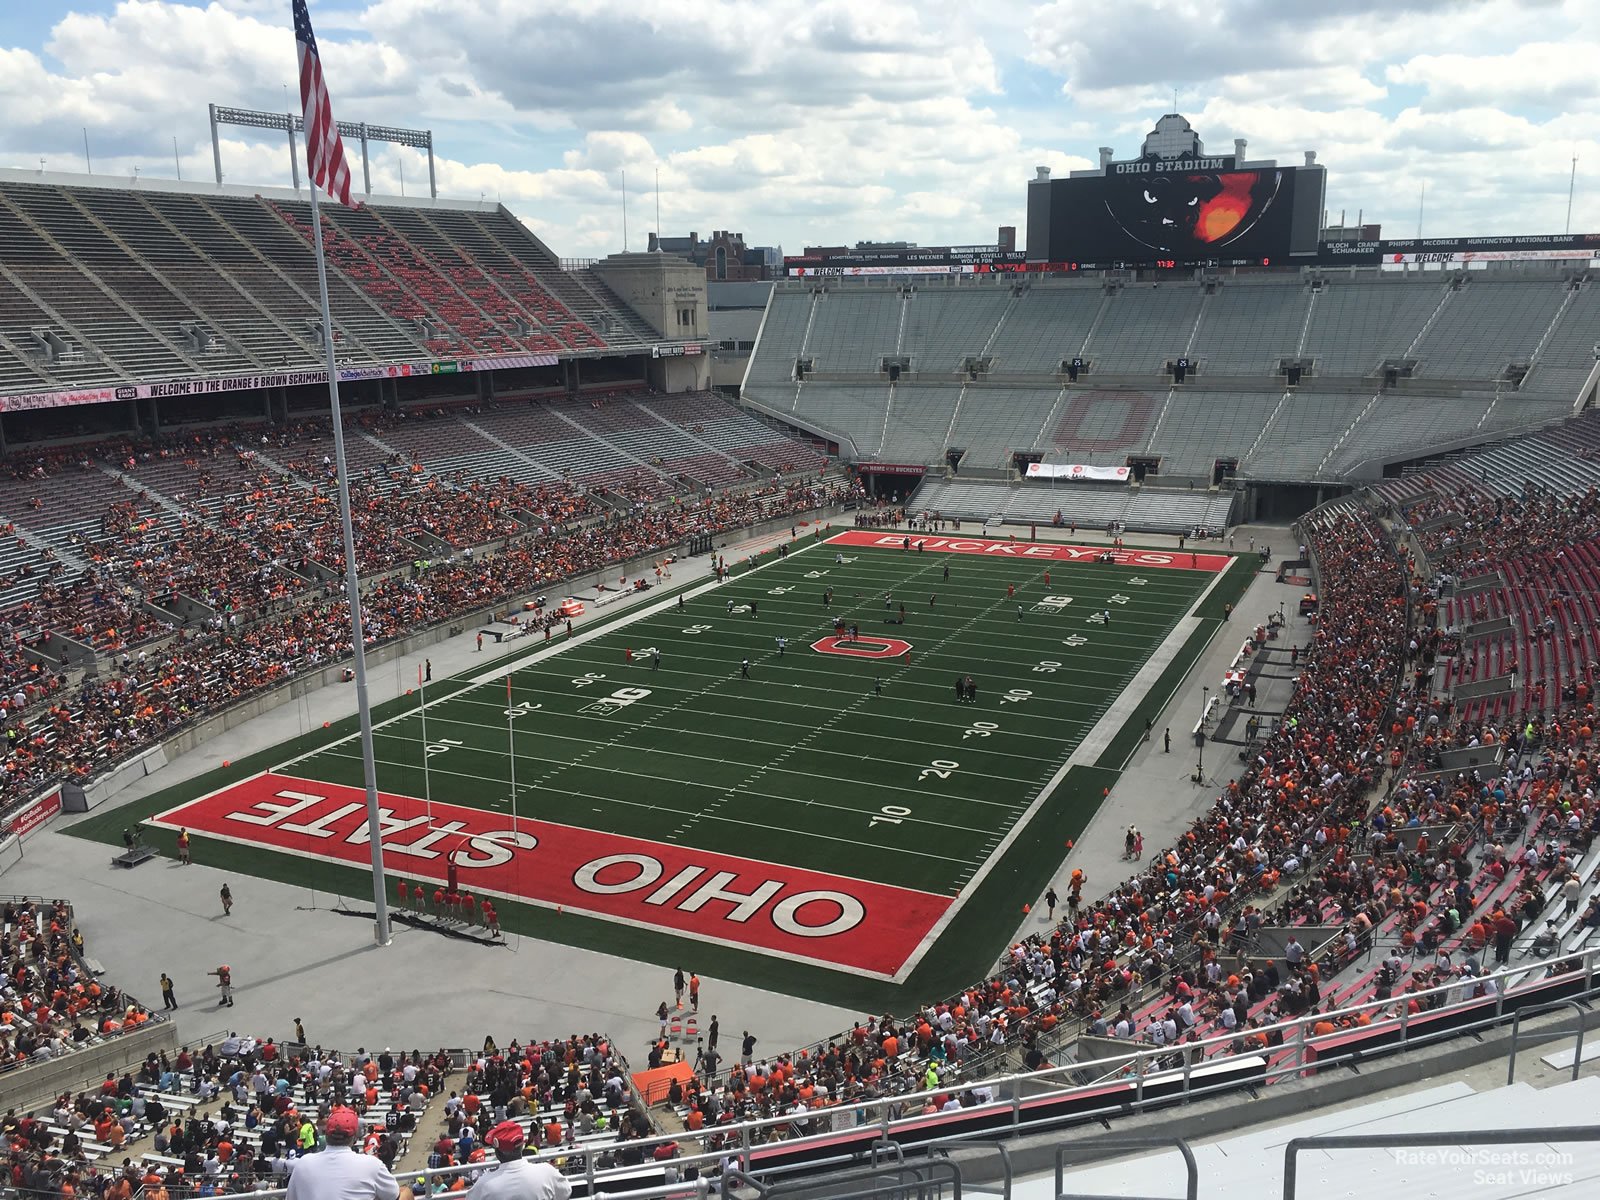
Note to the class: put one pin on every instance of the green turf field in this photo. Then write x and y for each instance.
(803, 762)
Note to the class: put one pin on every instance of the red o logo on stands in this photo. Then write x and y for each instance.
(866, 646)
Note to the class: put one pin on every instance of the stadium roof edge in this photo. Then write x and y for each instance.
(155, 183)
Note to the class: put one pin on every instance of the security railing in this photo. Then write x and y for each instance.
(1142, 1078)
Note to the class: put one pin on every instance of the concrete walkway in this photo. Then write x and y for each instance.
(1157, 792)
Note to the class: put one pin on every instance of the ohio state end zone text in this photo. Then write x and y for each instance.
(867, 927)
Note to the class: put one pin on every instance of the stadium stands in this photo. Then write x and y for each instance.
(1143, 327)
(938, 328)
(231, 1116)
(1516, 864)
(1483, 327)
(1249, 325)
(1566, 356)
(195, 565)
(54, 1005)
(1081, 506)
(1193, 425)
(1458, 345)
(993, 422)
(167, 284)
(850, 332)
(1358, 321)
(1103, 423)
(1301, 432)
(1040, 327)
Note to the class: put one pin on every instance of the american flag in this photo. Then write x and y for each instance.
(324, 148)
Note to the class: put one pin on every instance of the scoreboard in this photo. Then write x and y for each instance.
(1177, 212)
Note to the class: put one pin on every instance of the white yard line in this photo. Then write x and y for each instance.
(1092, 746)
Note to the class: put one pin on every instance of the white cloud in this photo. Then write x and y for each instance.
(829, 121)
(1553, 74)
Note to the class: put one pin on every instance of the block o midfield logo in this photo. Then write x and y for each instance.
(866, 646)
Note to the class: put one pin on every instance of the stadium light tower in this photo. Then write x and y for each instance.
(293, 123)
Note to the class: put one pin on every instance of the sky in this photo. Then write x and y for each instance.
(829, 122)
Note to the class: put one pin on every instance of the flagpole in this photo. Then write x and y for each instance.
(511, 745)
(352, 584)
(427, 787)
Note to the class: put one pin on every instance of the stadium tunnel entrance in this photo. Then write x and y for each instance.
(1285, 503)
(890, 482)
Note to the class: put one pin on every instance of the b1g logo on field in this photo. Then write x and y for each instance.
(616, 702)
(866, 646)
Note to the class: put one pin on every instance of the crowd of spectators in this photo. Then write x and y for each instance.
(241, 650)
(1146, 961)
(51, 1004)
(225, 1119)
(1166, 958)
(1485, 528)
(234, 1116)
(566, 1092)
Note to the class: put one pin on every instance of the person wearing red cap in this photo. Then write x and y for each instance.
(338, 1172)
(514, 1177)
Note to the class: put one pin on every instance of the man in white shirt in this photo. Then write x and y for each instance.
(339, 1173)
(514, 1177)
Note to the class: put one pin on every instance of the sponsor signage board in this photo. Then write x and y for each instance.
(1078, 471)
(217, 385)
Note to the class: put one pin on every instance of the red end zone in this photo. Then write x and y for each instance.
(1044, 552)
(865, 927)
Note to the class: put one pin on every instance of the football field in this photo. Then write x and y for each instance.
(779, 763)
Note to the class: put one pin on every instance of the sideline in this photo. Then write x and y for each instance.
(606, 624)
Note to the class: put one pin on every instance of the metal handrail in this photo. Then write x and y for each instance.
(1516, 1034)
(1191, 1189)
(1402, 1141)
(945, 1145)
(899, 1181)
(1140, 1065)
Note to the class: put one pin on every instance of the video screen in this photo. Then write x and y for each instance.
(1184, 215)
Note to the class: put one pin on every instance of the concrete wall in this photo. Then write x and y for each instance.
(1213, 1116)
(657, 286)
(689, 373)
(728, 370)
(38, 1084)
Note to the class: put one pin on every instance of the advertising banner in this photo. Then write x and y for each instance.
(32, 817)
(246, 383)
(878, 468)
(902, 269)
(1078, 471)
